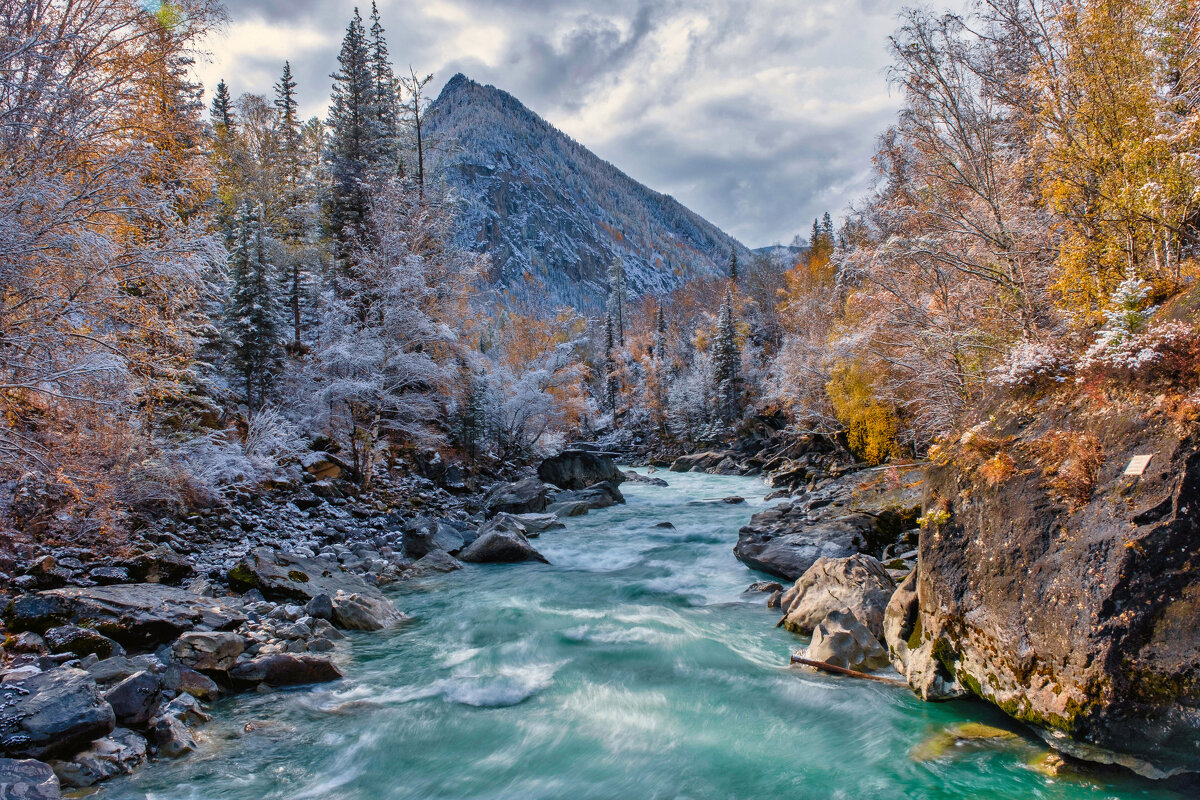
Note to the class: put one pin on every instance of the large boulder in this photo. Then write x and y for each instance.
(856, 513)
(138, 616)
(501, 541)
(52, 714)
(81, 642)
(705, 462)
(27, 779)
(579, 469)
(841, 640)
(596, 496)
(298, 579)
(284, 669)
(424, 536)
(528, 496)
(1064, 591)
(858, 585)
(135, 699)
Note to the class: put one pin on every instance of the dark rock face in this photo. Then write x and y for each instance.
(285, 669)
(138, 616)
(1080, 621)
(28, 780)
(81, 642)
(718, 463)
(501, 541)
(579, 469)
(528, 496)
(51, 714)
(858, 513)
(425, 535)
(134, 699)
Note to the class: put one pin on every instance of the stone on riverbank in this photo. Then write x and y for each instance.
(26, 779)
(528, 496)
(284, 669)
(119, 753)
(51, 714)
(208, 652)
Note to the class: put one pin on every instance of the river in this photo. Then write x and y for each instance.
(632, 667)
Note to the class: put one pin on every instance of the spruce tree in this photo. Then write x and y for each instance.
(251, 316)
(610, 365)
(733, 267)
(660, 335)
(349, 154)
(221, 111)
(727, 363)
(288, 109)
(616, 299)
(385, 99)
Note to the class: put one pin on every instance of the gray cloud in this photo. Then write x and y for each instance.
(759, 114)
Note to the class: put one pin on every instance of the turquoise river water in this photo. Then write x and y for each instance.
(630, 668)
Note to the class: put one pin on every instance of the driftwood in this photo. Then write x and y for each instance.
(851, 673)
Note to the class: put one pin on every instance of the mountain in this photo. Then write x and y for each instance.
(552, 214)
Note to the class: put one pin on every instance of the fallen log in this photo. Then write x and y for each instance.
(850, 673)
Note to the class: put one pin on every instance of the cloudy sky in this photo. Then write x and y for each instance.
(758, 114)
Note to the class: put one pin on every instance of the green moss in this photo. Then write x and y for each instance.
(944, 654)
(242, 577)
(298, 576)
(914, 638)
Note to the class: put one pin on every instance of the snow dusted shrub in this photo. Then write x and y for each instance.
(1030, 363)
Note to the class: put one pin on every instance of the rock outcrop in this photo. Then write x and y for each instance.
(842, 640)
(528, 496)
(1062, 590)
(857, 513)
(579, 469)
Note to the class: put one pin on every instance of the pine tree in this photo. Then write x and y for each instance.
(727, 363)
(616, 299)
(251, 316)
(351, 147)
(290, 143)
(733, 267)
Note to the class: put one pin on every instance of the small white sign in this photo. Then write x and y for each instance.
(1138, 465)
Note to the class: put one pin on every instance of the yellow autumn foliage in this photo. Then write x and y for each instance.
(871, 425)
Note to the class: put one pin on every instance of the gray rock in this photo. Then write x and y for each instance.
(81, 642)
(27, 779)
(52, 714)
(572, 508)
(528, 496)
(119, 753)
(763, 587)
(178, 679)
(212, 652)
(437, 561)
(134, 699)
(598, 496)
(841, 640)
(424, 535)
(579, 469)
(172, 738)
(637, 477)
(320, 607)
(536, 524)
(139, 616)
(858, 585)
(284, 576)
(502, 541)
(285, 669)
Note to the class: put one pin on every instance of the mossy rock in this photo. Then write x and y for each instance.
(298, 576)
(242, 578)
(975, 735)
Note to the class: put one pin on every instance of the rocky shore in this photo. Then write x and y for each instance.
(110, 661)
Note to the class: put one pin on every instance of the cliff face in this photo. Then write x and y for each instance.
(1062, 590)
(551, 214)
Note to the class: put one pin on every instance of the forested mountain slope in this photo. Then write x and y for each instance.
(553, 215)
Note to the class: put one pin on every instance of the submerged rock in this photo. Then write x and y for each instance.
(285, 669)
(119, 753)
(51, 714)
(858, 585)
(637, 477)
(579, 469)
